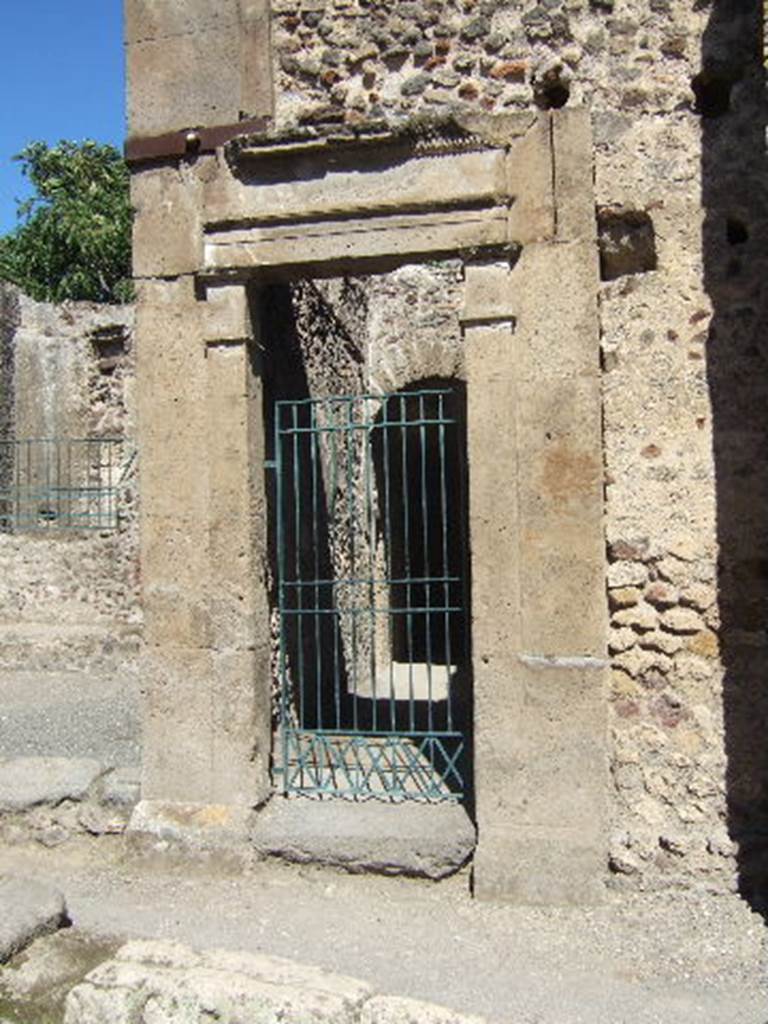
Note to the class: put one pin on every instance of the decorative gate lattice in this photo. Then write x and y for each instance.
(371, 559)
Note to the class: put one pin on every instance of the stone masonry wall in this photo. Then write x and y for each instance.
(675, 92)
(69, 600)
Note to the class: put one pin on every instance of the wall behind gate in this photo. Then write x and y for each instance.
(68, 601)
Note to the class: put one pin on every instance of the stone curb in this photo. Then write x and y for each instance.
(160, 980)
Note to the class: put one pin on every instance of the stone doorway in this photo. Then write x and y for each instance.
(512, 197)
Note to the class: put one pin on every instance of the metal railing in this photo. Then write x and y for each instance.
(371, 559)
(62, 483)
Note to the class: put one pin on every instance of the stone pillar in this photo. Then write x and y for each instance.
(539, 615)
(238, 603)
(205, 674)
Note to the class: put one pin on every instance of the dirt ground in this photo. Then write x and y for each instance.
(669, 958)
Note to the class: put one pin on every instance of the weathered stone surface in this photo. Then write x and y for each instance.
(682, 620)
(27, 909)
(432, 840)
(398, 1010)
(122, 786)
(641, 617)
(196, 826)
(151, 981)
(28, 781)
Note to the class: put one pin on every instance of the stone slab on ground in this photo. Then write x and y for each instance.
(30, 781)
(431, 841)
(154, 980)
(167, 981)
(27, 909)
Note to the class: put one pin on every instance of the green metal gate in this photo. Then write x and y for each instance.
(371, 566)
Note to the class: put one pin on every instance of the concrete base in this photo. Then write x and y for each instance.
(432, 841)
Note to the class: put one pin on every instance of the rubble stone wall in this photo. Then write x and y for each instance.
(677, 108)
(69, 600)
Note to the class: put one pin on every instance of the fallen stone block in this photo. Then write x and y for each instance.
(428, 840)
(165, 981)
(30, 781)
(28, 909)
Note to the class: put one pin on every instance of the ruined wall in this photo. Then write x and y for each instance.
(678, 113)
(68, 601)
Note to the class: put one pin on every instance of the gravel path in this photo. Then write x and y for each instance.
(70, 714)
(648, 960)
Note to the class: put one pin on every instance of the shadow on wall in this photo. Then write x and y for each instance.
(730, 95)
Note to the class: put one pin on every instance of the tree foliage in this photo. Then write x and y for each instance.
(73, 240)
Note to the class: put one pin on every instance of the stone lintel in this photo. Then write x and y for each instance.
(411, 235)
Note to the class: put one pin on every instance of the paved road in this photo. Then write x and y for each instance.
(651, 961)
(70, 714)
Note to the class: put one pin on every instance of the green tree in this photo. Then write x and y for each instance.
(73, 240)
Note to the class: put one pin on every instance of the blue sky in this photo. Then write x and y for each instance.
(61, 77)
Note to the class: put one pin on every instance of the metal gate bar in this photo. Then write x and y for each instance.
(54, 483)
(371, 596)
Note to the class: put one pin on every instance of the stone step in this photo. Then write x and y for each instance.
(66, 647)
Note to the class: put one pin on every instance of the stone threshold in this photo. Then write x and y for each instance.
(419, 840)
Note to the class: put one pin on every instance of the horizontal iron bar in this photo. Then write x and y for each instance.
(346, 428)
(369, 581)
(367, 610)
(361, 398)
(367, 735)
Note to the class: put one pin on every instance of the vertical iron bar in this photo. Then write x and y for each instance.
(388, 563)
(313, 441)
(350, 440)
(337, 620)
(426, 567)
(407, 532)
(281, 596)
(298, 596)
(446, 571)
(367, 444)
